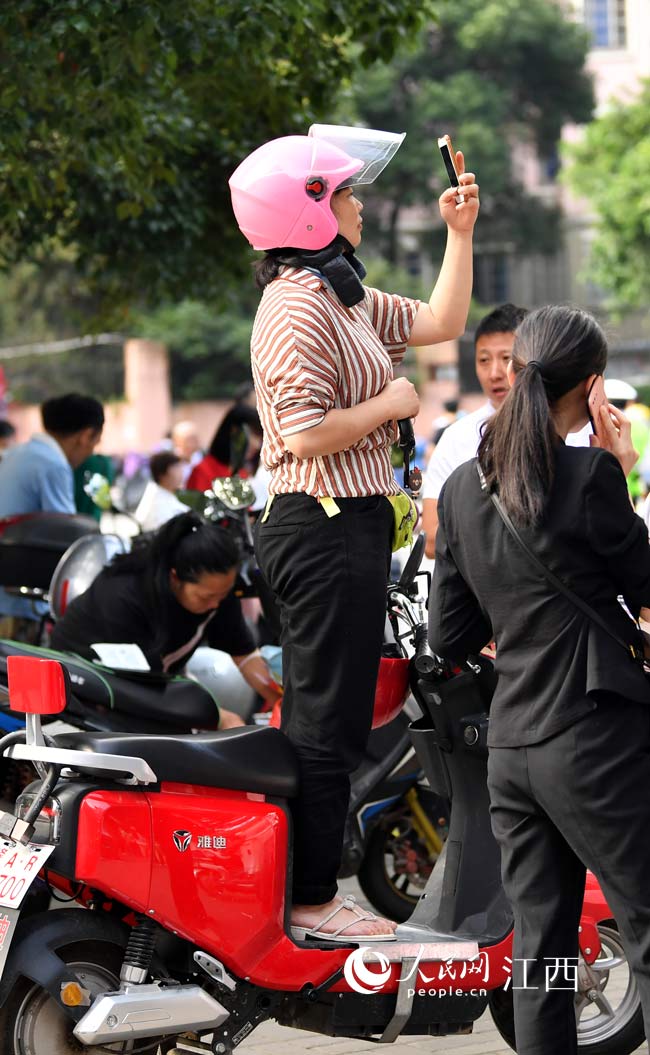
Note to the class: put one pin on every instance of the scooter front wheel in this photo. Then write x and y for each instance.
(608, 1009)
(395, 867)
(32, 1023)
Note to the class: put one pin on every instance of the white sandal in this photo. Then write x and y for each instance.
(340, 935)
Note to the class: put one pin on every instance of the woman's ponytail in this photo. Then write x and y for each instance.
(516, 450)
(555, 348)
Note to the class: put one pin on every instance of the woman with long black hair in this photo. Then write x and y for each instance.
(569, 731)
(170, 594)
(235, 447)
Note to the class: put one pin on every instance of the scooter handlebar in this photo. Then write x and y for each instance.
(425, 661)
(406, 433)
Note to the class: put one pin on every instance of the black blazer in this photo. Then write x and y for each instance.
(551, 659)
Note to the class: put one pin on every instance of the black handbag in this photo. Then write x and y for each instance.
(634, 652)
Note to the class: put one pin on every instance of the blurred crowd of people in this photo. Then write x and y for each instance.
(59, 470)
(148, 485)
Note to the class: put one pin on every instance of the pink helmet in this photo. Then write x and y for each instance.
(281, 192)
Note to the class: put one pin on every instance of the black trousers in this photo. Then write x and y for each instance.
(329, 576)
(578, 800)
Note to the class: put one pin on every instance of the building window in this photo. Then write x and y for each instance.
(605, 20)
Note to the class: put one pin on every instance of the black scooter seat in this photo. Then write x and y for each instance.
(149, 699)
(244, 759)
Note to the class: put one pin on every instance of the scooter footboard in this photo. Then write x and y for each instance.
(464, 894)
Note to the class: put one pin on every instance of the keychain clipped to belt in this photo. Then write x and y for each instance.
(412, 477)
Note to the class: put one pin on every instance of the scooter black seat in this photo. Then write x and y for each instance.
(147, 700)
(248, 758)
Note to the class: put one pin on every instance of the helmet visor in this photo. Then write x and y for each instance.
(373, 148)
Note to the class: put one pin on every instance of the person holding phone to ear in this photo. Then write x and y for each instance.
(569, 735)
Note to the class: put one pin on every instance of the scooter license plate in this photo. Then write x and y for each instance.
(20, 864)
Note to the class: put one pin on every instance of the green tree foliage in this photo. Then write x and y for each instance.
(97, 372)
(611, 169)
(46, 303)
(122, 119)
(493, 74)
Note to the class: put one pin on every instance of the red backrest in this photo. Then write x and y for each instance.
(37, 686)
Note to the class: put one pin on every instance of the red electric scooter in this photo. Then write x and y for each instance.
(178, 849)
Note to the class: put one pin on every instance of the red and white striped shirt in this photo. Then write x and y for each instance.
(311, 354)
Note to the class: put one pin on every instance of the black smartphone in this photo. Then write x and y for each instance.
(449, 158)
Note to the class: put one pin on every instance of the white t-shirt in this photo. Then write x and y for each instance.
(157, 506)
(459, 443)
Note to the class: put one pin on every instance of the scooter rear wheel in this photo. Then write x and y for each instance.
(31, 1022)
(608, 1009)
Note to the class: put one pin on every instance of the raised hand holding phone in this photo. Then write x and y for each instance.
(449, 158)
(460, 204)
(614, 434)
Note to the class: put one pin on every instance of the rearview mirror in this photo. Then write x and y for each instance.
(98, 488)
(233, 492)
(412, 566)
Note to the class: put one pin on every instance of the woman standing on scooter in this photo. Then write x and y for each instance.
(569, 735)
(323, 352)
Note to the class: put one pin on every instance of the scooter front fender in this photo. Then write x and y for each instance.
(595, 910)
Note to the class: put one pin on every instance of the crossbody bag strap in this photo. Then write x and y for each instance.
(551, 577)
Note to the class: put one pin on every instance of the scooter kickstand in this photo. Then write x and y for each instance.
(403, 1004)
(252, 1006)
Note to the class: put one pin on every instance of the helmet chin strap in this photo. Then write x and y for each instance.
(336, 262)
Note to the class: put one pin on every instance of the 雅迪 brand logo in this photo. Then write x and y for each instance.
(182, 840)
(359, 977)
